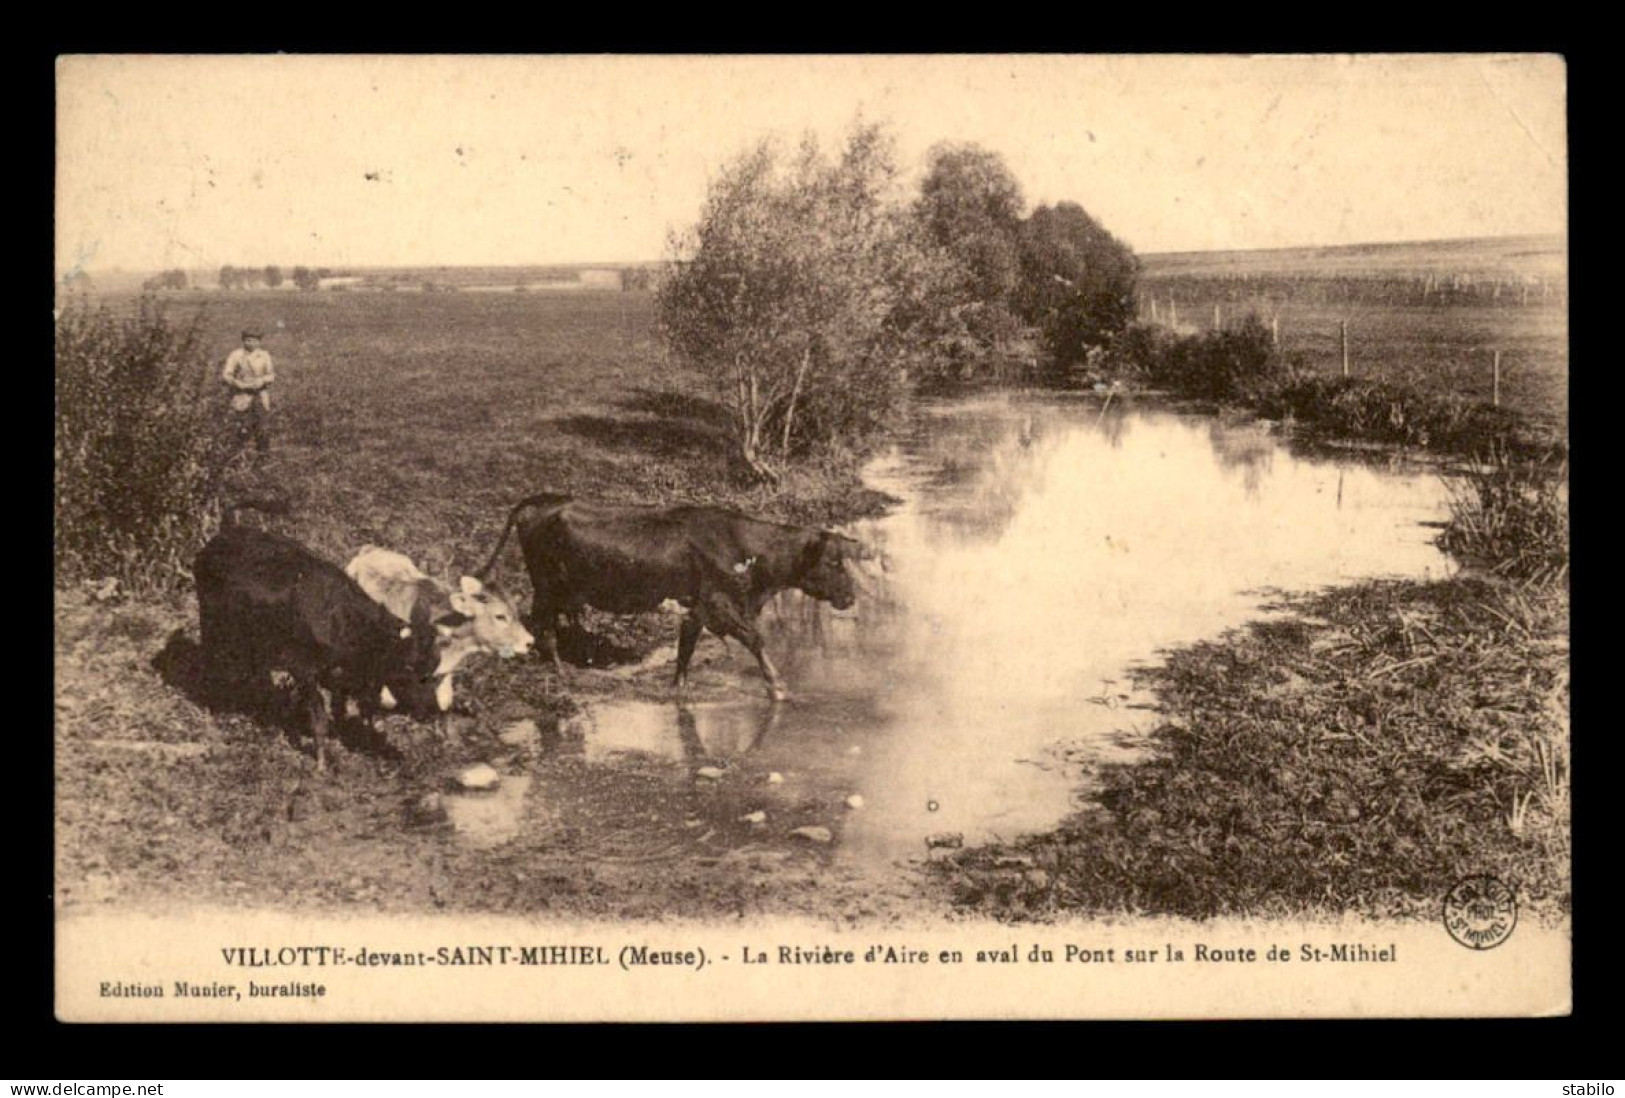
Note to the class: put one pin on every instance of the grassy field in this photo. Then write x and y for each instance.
(415, 422)
(1437, 339)
(1482, 257)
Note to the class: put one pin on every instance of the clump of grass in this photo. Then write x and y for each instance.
(140, 462)
(1512, 518)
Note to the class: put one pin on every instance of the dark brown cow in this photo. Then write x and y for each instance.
(266, 603)
(719, 565)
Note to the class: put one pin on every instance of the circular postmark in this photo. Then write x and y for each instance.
(1480, 912)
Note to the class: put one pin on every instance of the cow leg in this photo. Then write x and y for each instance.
(230, 660)
(546, 624)
(544, 611)
(550, 635)
(218, 676)
(688, 635)
(366, 705)
(316, 707)
(444, 696)
(775, 685)
(212, 644)
(544, 620)
(727, 620)
(746, 631)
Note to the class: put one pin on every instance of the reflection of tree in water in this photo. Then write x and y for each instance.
(1114, 423)
(810, 632)
(1250, 450)
(982, 469)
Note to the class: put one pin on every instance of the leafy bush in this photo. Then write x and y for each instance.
(139, 459)
(1236, 363)
(803, 294)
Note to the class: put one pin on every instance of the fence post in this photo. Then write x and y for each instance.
(1495, 379)
(1218, 319)
(1343, 336)
(1173, 311)
(1275, 330)
(1155, 316)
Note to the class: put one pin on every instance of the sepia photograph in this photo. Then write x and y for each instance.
(765, 538)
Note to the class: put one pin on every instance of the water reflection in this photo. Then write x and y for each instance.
(491, 818)
(1044, 549)
(678, 731)
(1248, 450)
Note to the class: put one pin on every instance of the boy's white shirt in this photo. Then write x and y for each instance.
(245, 367)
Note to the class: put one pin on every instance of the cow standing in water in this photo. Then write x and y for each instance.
(719, 565)
(474, 618)
(266, 603)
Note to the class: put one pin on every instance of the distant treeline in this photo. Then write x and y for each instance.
(633, 277)
(240, 278)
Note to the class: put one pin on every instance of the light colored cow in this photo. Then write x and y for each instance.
(473, 618)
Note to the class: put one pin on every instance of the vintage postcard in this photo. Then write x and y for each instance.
(793, 537)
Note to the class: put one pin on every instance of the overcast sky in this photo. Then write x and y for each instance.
(485, 160)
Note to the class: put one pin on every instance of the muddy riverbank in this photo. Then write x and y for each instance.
(1360, 755)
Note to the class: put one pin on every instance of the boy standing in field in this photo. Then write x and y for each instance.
(249, 375)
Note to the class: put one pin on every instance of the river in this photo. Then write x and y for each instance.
(1043, 549)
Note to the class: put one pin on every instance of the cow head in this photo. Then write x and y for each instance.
(489, 618)
(823, 573)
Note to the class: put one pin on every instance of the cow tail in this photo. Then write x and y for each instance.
(513, 517)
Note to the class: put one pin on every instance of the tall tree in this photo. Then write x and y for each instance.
(273, 275)
(970, 208)
(1077, 281)
(971, 205)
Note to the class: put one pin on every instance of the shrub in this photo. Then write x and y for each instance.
(1134, 351)
(1511, 517)
(1235, 363)
(139, 459)
(1381, 411)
